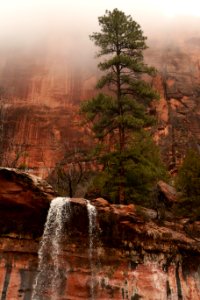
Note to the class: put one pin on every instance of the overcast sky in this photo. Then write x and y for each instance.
(26, 17)
(29, 22)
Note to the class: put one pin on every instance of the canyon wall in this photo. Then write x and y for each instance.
(39, 93)
(178, 82)
(134, 255)
(40, 89)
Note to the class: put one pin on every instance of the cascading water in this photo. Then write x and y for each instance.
(49, 278)
(92, 213)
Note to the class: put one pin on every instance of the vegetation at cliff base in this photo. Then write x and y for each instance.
(143, 168)
(188, 183)
(118, 116)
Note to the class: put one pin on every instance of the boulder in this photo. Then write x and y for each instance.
(166, 193)
(24, 202)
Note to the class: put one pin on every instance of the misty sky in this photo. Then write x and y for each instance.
(20, 18)
(69, 22)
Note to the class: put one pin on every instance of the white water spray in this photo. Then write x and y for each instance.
(48, 280)
(92, 213)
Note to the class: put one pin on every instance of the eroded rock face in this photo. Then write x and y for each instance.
(134, 256)
(39, 97)
(120, 274)
(24, 202)
(38, 107)
(178, 84)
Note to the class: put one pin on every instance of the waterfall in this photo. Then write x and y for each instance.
(49, 278)
(92, 231)
(51, 267)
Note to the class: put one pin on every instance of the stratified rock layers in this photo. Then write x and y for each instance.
(134, 256)
(178, 111)
(39, 97)
(128, 263)
(40, 93)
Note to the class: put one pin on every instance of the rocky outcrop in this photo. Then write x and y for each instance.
(166, 193)
(24, 202)
(134, 256)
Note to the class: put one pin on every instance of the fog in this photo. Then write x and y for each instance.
(32, 20)
(62, 27)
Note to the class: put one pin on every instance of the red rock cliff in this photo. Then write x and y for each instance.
(134, 257)
(40, 90)
(178, 83)
(39, 93)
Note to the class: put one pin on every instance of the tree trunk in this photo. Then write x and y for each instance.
(70, 187)
(121, 191)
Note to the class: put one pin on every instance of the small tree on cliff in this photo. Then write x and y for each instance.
(115, 116)
(188, 183)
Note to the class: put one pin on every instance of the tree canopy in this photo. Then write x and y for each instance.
(121, 111)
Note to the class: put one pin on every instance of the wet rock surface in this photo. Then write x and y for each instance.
(134, 255)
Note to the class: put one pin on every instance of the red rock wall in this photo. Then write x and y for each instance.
(133, 255)
(117, 276)
(38, 111)
(178, 83)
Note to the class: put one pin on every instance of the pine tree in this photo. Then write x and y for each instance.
(115, 116)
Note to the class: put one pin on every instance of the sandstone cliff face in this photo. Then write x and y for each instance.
(40, 90)
(133, 256)
(39, 93)
(178, 111)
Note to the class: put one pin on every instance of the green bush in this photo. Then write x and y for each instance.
(188, 183)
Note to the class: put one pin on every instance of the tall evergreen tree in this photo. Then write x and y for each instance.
(115, 116)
